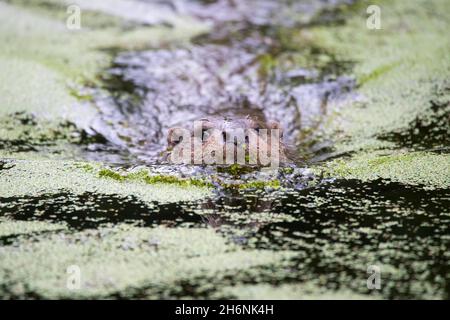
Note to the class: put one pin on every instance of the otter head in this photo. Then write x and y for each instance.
(246, 140)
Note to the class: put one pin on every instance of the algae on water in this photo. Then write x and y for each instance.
(382, 200)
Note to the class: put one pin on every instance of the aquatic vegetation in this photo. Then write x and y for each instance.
(9, 227)
(37, 177)
(404, 80)
(151, 179)
(44, 63)
(236, 169)
(417, 168)
(105, 173)
(146, 176)
(153, 257)
(261, 184)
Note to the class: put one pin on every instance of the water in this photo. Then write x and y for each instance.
(336, 227)
(226, 71)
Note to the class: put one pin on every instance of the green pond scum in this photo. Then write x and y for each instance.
(379, 195)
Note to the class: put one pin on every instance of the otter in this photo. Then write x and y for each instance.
(230, 136)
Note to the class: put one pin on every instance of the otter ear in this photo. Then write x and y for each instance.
(275, 125)
(175, 136)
